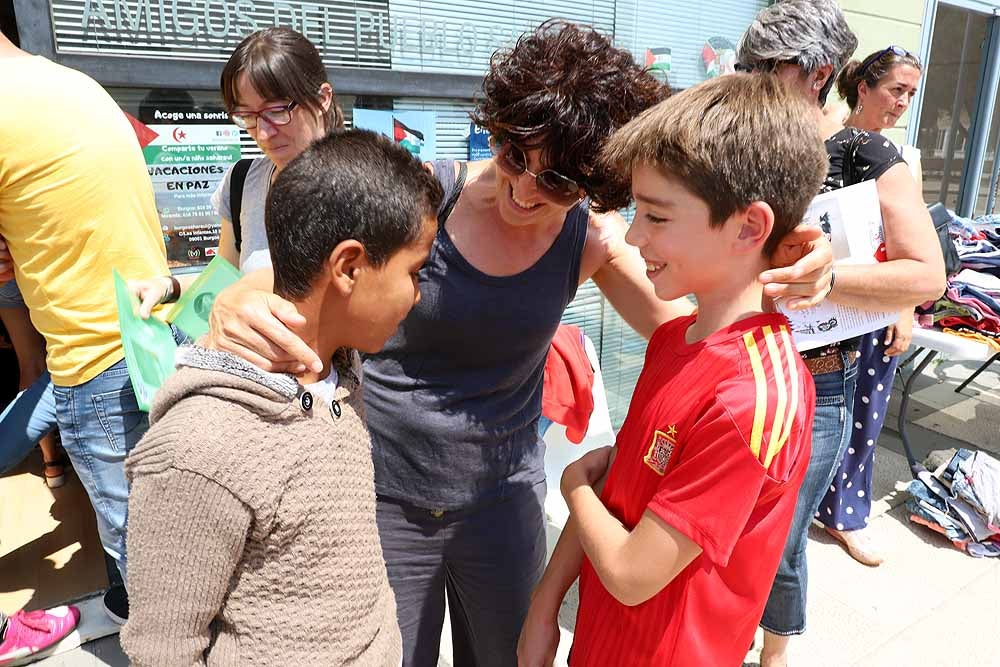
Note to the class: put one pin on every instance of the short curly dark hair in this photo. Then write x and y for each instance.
(564, 88)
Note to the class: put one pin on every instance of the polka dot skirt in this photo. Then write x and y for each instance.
(848, 502)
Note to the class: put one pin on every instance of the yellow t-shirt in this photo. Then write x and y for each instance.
(75, 202)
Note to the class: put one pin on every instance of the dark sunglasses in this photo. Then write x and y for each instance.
(552, 185)
(878, 55)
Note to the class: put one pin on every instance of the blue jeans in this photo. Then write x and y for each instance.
(785, 612)
(26, 420)
(10, 295)
(100, 422)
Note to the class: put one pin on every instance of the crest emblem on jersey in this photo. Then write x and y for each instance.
(661, 449)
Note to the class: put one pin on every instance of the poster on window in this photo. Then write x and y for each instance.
(659, 60)
(185, 162)
(413, 130)
(719, 56)
(479, 143)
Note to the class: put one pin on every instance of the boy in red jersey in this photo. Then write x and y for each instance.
(677, 542)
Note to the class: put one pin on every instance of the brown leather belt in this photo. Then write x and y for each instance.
(828, 364)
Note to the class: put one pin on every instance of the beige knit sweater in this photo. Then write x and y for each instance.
(251, 536)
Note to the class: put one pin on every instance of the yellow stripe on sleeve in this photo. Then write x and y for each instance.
(760, 410)
(774, 444)
(793, 374)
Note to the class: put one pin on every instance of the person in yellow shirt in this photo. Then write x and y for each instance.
(75, 203)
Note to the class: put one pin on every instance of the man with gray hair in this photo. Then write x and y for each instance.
(806, 43)
(812, 34)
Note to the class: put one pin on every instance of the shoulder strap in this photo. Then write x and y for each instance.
(236, 181)
(455, 192)
(578, 219)
(850, 168)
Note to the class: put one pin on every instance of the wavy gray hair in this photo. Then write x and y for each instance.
(810, 33)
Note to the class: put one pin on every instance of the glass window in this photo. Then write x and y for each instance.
(189, 141)
(950, 99)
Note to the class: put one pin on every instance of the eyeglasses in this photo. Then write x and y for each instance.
(878, 55)
(247, 120)
(552, 185)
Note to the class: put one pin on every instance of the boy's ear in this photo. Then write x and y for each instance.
(756, 224)
(344, 263)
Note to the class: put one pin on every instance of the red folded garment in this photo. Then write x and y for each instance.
(568, 391)
(985, 325)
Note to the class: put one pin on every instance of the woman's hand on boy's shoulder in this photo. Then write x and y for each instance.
(258, 326)
(803, 268)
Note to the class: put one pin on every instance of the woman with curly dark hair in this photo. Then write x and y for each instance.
(454, 399)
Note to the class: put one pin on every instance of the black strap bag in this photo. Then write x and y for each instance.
(236, 181)
(941, 218)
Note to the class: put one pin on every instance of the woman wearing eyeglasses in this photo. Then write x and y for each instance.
(806, 43)
(454, 399)
(878, 91)
(274, 86)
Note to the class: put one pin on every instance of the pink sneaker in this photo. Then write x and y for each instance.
(31, 632)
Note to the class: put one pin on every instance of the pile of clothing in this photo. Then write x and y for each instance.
(970, 307)
(961, 500)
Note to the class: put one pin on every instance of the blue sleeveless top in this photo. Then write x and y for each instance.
(453, 399)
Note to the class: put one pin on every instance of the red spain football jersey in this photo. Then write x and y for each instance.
(716, 443)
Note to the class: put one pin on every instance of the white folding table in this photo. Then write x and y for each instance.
(928, 343)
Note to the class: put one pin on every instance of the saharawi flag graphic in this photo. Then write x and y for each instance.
(409, 138)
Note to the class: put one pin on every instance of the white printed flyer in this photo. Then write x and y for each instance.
(852, 219)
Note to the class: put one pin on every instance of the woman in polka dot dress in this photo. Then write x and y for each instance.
(878, 90)
(845, 509)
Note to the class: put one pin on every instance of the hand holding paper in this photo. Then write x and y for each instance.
(852, 218)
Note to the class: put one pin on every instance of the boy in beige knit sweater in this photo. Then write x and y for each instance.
(252, 536)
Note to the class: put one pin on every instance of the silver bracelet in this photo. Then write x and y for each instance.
(833, 281)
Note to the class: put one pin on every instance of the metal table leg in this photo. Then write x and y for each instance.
(909, 359)
(979, 370)
(904, 403)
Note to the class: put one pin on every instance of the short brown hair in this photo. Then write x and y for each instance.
(732, 140)
(280, 64)
(875, 67)
(565, 88)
